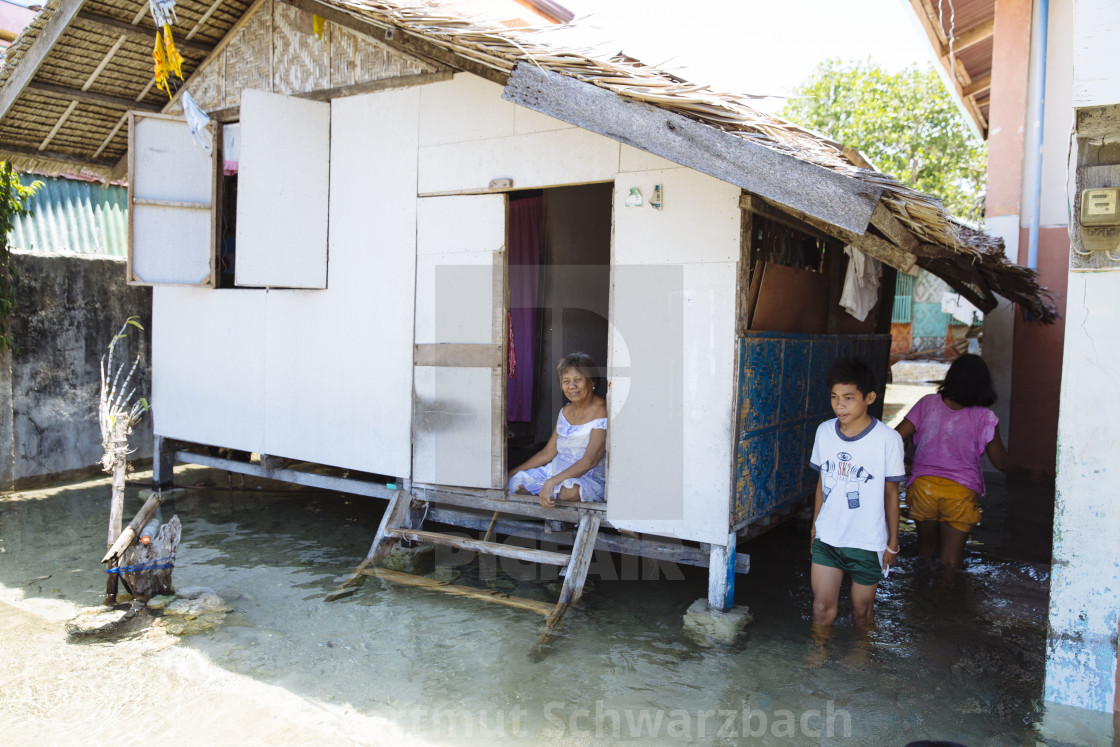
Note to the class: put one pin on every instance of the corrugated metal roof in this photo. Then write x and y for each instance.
(75, 216)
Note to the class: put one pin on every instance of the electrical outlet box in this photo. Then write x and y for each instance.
(1100, 219)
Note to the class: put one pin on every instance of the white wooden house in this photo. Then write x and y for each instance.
(364, 325)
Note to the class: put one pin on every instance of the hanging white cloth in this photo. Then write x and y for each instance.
(960, 308)
(861, 283)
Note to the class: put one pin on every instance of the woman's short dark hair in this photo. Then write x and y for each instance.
(969, 382)
(581, 362)
(855, 372)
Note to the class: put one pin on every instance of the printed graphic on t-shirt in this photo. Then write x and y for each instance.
(844, 473)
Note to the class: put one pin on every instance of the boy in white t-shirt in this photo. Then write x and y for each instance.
(855, 515)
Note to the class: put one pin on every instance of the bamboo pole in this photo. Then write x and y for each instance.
(128, 536)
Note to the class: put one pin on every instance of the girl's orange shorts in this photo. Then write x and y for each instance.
(941, 499)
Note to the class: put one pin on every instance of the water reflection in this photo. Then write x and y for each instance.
(961, 661)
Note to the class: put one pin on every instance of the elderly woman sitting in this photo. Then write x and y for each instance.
(570, 467)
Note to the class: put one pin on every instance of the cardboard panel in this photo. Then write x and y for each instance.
(791, 300)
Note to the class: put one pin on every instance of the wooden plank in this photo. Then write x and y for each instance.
(572, 512)
(296, 477)
(572, 590)
(396, 514)
(892, 228)
(171, 204)
(827, 195)
(26, 68)
(485, 595)
(971, 37)
(20, 152)
(462, 355)
(872, 246)
(122, 103)
(792, 300)
(139, 33)
(372, 86)
(525, 554)
(977, 86)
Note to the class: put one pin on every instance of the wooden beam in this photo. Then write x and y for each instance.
(977, 86)
(91, 97)
(461, 355)
(884, 220)
(371, 86)
(971, 37)
(484, 595)
(784, 179)
(139, 33)
(29, 64)
(99, 164)
(524, 554)
(871, 245)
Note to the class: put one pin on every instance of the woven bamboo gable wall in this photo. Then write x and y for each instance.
(276, 50)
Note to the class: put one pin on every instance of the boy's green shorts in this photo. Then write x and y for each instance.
(862, 565)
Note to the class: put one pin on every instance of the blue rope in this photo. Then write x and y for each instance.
(159, 564)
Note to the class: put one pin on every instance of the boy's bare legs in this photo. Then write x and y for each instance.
(952, 546)
(826, 592)
(863, 604)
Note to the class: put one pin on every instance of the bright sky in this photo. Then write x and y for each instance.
(756, 46)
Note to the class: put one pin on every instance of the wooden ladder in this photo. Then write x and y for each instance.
(393, 529)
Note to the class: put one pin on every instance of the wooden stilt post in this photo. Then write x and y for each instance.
(721, 575)
(163, 465)
(116, 510)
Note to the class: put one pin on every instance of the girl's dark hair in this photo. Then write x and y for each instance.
(855, 372)
(969, 382)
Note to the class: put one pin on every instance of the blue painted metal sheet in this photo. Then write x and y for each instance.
(74, 216)
(782, 400)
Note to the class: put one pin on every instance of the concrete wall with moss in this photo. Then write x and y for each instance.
(68, 308)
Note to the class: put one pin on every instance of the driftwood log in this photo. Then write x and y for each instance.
(146, 569)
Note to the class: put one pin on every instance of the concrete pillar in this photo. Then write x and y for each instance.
(1081, 661)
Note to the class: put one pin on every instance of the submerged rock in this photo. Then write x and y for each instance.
(444, 574)
(95, 620)
(200, 612)
(416, 560)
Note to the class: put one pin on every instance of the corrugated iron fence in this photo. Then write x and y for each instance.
(75, 216)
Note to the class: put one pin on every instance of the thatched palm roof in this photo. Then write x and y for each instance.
(73, 73)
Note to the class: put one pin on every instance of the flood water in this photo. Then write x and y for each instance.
(963, 662)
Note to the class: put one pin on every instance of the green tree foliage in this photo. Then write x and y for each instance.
(906, 124)
(13, 202)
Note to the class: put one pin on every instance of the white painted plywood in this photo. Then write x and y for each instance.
(339, 362)
(208, 366)
(670, 440)
(167, 164)
(454, 423)
(282, 195)
(462, 109)
(699, 220)
(459, 299)
(1096, 81)
(169, 245)
(540, 159)
(527, 120)
(635, 159)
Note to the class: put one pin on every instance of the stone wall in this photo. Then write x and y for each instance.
(68, 308)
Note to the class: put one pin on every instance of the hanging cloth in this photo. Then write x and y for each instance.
(861, 283)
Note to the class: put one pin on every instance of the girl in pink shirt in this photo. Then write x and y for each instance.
(952, 431)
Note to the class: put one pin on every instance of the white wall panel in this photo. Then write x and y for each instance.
(1095, 78)
(670, 437)
(527, 120)
(208, 366)
(454, 423)
(339, 362)
(540, 159)
(634, 159)
(699, 220)
(462, 109)
(460, 224)
(283, 189)
(171, 245)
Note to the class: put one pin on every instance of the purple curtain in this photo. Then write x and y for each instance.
(524, 273)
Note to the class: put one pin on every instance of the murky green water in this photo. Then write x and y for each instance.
(963, 663)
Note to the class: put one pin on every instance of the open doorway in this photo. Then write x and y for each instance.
(559, 258)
